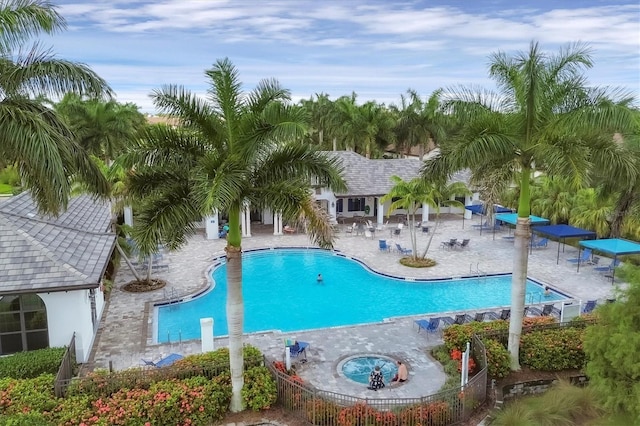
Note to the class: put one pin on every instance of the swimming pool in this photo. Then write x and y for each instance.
(281, 292)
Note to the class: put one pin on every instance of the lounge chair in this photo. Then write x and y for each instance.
(368, 234)
(589, 306)
(430, 326)
(298, 349)
(462, 244)
(448, 244)
(609, 268)
(546, 311)
(504, 315)
(349, 229)
(462, 319)
(403, 250)
(289, 230)
(541, 243)
(164, 362)
(584, 258)
(479, 317)
(383, 246)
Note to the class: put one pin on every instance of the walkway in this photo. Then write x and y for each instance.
(125, 332)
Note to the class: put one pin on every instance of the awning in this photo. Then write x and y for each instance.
(562, 232)
(614, 246)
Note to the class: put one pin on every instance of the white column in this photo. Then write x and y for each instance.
(277, 223)
(211, 226)
(332, 210)
(425, 212)
(380, 213)
(246, 220)
(467, 202)
(128, 215)
(206, 334)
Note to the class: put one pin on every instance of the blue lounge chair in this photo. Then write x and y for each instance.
(403, 250)
(299, 348)
(584, 258)
(164, 362)
(430, 326)
(609, 268)
(541, 243)
(589, 306)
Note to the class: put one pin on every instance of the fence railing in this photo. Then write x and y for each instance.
(67, 368)
(325, 408)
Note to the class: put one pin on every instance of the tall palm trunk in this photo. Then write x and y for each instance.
(235, 308)
(623, 205)
(520, 263)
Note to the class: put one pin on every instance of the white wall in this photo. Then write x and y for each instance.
(69, 312)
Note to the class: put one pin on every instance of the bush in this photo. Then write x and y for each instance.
(27, 395)
(31, 364)
(25, 419)
(259, 391)
(456, 336)
(553, 349)
(498, 359)
(321, 412)
(433, 414)
(363, 414)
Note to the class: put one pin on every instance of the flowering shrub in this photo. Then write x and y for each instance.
(26, 395)
(362, 414)
(498, 359)
(553, 349)
(321, 412)
(259, 391)
(533, 321)
(456, 355)
(456, 336)
(433, 414)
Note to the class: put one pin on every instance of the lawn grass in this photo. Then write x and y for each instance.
(6, 189)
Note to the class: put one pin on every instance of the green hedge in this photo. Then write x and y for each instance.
(553, 349)
(31, 364)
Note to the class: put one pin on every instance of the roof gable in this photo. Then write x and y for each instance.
(42, 252)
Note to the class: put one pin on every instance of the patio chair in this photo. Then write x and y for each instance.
(430, 326)
(589, 306)
(368, 234)
(584, 258)
(462, 319)
(504, 315)
(425, 229)
(608, 268)
(298, 349)
(462, 244)
(546, 311)
(403, 250)
(479, 317)
(383, 246)
(448, 244)
(349, 229)
(541, 243)
(164, 362)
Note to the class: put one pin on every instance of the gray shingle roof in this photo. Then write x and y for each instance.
(366, 177)
(49, 253)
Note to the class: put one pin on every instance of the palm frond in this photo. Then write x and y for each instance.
(20, 20)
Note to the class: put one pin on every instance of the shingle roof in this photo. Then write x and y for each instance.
(367, 177)
(43, 252)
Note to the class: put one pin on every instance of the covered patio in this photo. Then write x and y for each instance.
(562, 232)
(614, 246)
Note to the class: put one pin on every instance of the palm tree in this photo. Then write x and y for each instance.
(232, 149)
(546, 118)
(102, 128)
(410, 196)
(32, 136)
(552, 198)
(422, 122)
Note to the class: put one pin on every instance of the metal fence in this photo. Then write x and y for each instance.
(66, 369)
(324, 408)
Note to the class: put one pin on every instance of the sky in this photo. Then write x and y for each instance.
(377, 49)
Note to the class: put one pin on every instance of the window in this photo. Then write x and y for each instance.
(23, 324)
(339, 206)
(461, 199)
(355, 204)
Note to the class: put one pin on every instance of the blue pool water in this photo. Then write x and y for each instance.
(358, 369)
(280, 292)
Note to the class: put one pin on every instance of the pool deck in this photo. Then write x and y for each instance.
(125, 333)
